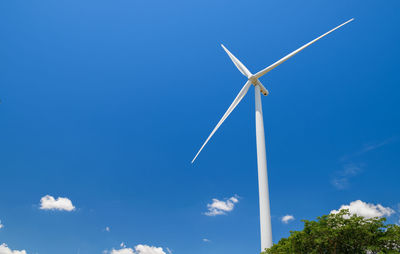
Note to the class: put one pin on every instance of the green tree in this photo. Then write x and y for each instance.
(341, 233)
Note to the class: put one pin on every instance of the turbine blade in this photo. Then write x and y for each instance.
(235, 102)
(237, 63)
(269, 68)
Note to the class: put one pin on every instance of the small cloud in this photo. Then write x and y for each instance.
(107, 229)
(122, 251)
(169, 251)
(206, 240)
(50, 203)
(139, 249)
(145, 249)
(4, 249)
(1, 225)
(287, 218)
(219, 207)
(366, 210)
(122, 245)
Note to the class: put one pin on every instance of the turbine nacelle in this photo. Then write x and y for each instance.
(254, 80)
(264, 90)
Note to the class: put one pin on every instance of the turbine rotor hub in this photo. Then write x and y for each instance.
(253, 79)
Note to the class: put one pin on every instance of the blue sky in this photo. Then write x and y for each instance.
(106, 103)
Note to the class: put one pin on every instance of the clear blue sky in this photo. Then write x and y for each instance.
(106, 103)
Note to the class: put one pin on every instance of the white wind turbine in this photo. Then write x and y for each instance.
(265, 216)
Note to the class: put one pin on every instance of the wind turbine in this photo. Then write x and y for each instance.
(265, 215)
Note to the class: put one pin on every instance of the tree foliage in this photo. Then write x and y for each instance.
(341, 233)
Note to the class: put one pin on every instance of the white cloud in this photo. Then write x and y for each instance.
(122, 251)
(50, 203)
(139, 249)
(206, 240)
(287, 218)
(366, 210)
(169, 251)
(107, 229)
(218, 207)
(5, 250)
(145, 249)
(1, 225)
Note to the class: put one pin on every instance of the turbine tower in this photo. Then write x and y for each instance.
(252, 79)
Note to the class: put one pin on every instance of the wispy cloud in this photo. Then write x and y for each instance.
(107, 229)
(366, 210)
(50, 203)
(220, 207)
(287, 218)
(1, 225)
(206, 240)
(369, 147)
(341, 179)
